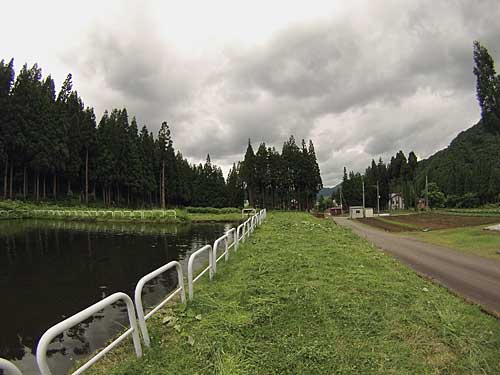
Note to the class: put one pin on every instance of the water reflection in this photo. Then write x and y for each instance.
(52, 269)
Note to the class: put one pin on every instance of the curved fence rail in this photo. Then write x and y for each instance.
(54, 331)
(231, 239)
(138, 296)
(9, 368)
(218, 241)
(209, 268)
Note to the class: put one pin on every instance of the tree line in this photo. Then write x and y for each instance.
(466, 174)
(290, 180)
(53, 148)
(398, 176)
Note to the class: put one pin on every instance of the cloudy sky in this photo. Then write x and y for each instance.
(362, 79)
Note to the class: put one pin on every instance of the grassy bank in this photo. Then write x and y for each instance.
(494, 212)
(473, 240)
(303, 296)
(18, 210)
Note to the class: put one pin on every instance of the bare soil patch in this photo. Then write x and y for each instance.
(430, 221)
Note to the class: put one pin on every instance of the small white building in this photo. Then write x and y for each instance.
(368, 212)
(396, 201)
(356, 212)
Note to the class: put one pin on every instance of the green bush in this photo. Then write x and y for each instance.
(467, 200)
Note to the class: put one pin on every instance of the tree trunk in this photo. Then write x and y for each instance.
(161, 187)
(87, 176)
(68, 191)
(44, 191)
(37, 186)
(25, 181)
(5, 178)
(163, 184)
(54, 186)
(11, 180)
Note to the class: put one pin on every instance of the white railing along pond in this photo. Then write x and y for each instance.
(231, 239)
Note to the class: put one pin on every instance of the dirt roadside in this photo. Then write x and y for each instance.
(475, 278)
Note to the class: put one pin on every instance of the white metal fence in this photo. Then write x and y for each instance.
(138, 295)
(54, 331)
(80, 214)
(231, 239)
(9, 368)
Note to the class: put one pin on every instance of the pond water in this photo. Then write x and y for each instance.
(50, 270)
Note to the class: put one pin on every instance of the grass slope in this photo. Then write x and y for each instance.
(303, 296)
(17, 210)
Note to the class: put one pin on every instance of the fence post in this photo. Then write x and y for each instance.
(191, 281)
(138, 296)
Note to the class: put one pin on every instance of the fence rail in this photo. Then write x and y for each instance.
(142, 214)
(9, 368)
(218, 241)
(51, 333)
(209, 268)
(138, 296)
(237, 234)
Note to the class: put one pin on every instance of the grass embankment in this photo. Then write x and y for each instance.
(203, 214)
(303, 296)
(494, 212)
(19, 210)
(472, 240)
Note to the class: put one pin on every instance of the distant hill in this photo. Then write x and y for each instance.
(328, 191)
(470, 164)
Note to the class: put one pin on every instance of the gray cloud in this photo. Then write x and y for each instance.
(363, 84)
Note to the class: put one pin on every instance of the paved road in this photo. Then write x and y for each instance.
(475, 278)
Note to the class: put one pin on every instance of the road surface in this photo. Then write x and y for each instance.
(475, 278)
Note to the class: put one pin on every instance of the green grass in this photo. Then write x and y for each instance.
(20, 209)
(473, 240)
(214, 217)
(303, 296)
(472, 211)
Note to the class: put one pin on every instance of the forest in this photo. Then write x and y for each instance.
(53, 149)
(465, 174)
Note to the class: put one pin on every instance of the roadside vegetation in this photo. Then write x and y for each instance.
(471, 240)
(285, 304)
(461, 230)
(486, 211)
(428, 221)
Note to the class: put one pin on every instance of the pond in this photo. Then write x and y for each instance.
(50, 270)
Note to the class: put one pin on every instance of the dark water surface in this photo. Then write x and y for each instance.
(50, 270)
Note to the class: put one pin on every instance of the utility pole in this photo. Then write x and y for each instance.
(341, 205)
(363, 181)
(426, 193)
(378, 200)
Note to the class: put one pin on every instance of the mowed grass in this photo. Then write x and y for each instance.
(473, 240)
(304, 296)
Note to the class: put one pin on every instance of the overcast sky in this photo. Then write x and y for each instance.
(362, 79)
